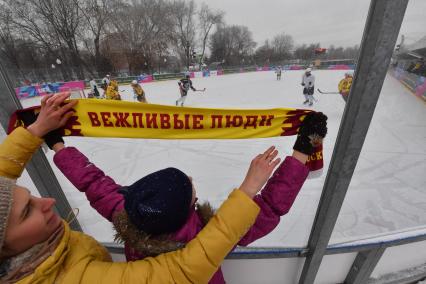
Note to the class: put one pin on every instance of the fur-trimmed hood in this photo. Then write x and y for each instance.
(148, 245)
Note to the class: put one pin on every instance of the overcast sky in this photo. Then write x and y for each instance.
(338, 22)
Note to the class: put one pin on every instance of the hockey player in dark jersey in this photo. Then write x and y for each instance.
(184, 85)
(278, 71)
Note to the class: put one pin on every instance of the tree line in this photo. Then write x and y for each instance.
(78, 39)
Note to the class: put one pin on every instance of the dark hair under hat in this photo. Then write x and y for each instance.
(159, 203)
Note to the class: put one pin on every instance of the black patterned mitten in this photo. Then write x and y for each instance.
(311, 133)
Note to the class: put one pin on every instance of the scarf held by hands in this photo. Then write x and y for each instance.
(107, 118)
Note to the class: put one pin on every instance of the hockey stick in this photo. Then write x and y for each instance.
(327, 92)
(203, 90)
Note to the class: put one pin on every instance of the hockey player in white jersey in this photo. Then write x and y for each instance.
(94, 88)
(308, 82)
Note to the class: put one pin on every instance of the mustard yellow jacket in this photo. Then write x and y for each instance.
(345, 85)
(112, 91)
(81, 259)
(139, 93)
(138, 90)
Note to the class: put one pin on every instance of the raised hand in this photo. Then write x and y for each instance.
(260, 170)
(54, 114)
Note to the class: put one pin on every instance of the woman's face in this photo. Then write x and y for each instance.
(31, 221)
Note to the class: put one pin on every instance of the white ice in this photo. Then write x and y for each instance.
(387, 193)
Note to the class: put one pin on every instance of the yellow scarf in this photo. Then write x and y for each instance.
(105, 118)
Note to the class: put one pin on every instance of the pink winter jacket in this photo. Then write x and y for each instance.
(275, 199)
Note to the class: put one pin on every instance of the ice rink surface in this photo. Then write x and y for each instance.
(388, 189)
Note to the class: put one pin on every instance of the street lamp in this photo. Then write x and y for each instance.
(165, 61)
(58, 63)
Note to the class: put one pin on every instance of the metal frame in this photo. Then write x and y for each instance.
(38, 168)
(282, 252)
(363, 266)
(380, 35)
(369, 254)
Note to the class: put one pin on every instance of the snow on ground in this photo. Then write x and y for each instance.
(387, 193)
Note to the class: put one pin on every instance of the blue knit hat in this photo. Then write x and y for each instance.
(159, 203)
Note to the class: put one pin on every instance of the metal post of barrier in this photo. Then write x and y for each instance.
(379, 38)
(364, 264)
(38, 168)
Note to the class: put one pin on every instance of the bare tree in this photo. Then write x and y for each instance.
(207, 19)
(306, 52)
(282, 45)
(52, 24)
(184, 31)
(342, 53)
(64, 19)
(8, 41)
(232, 44)
(141, 27)
(25, 20)
(264, 53)
(96, 13)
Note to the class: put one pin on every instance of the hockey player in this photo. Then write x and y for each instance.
(184, 85)
(94, 88)
(278, 71)
(138, 91)
(105, 82)
(308, 82)
(112, 91)
(345, 85)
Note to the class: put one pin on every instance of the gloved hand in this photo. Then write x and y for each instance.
(311, 133)
(51, 138)
(303, 84)
(27, 117)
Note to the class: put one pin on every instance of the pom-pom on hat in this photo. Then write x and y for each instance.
(159, 203)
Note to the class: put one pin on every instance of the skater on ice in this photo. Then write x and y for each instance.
(308, 82)
(105, 82)
(138, 92)
(94, 92)
(112, 91)
(184, 85)
(159, 213)
(345, 85)
(278, 71)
